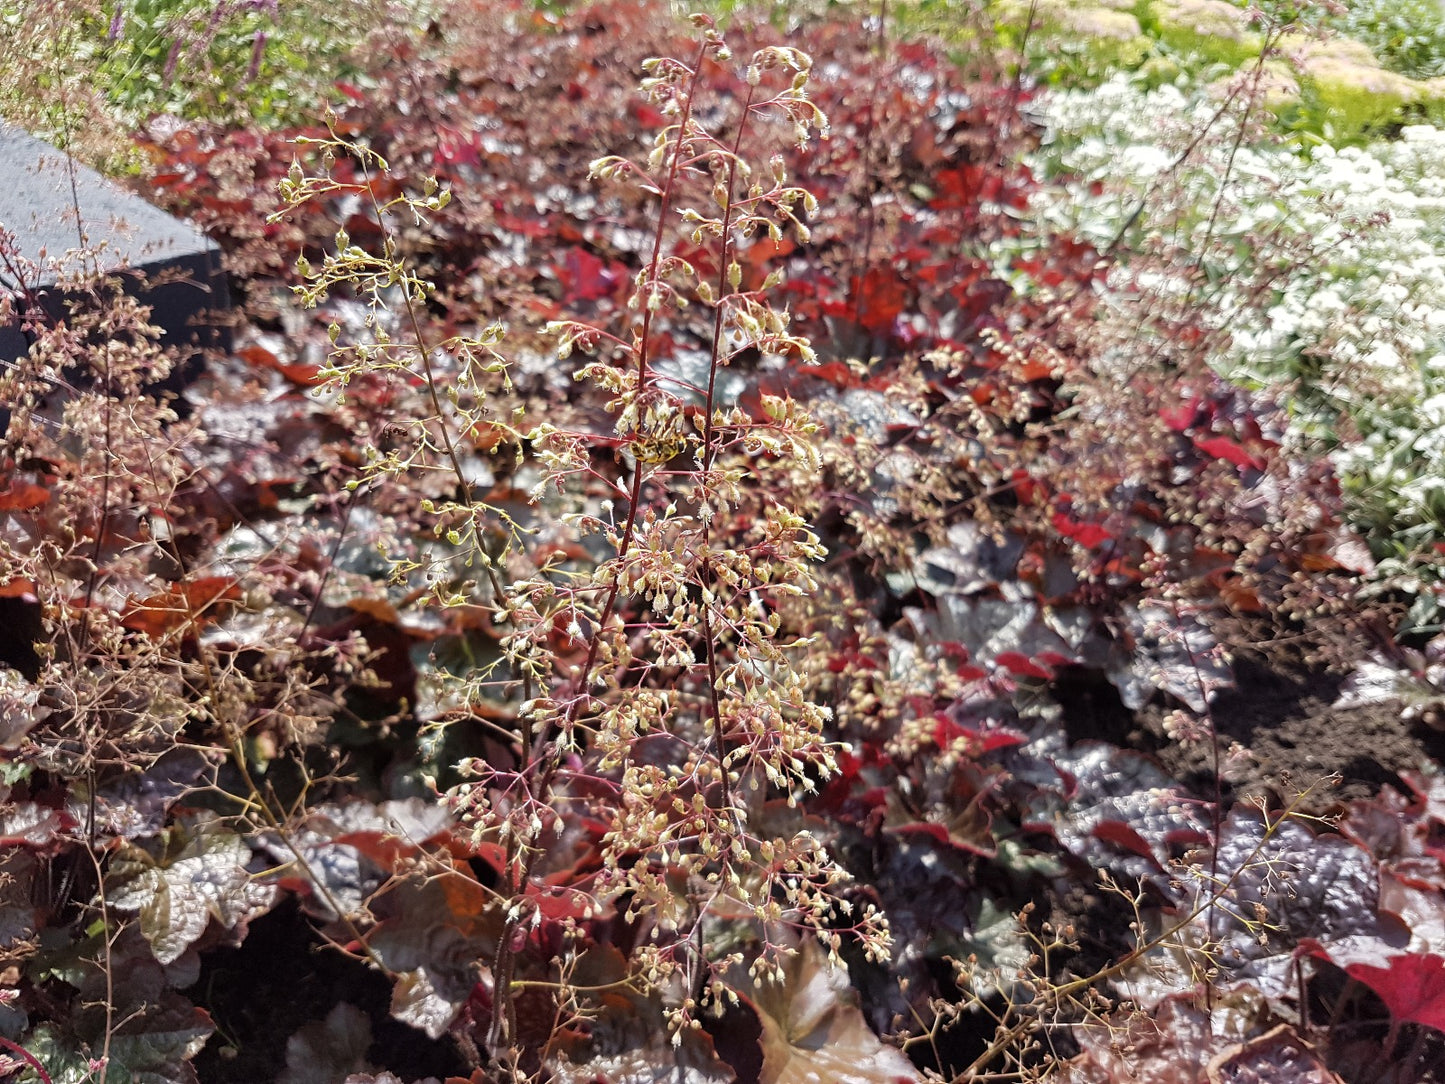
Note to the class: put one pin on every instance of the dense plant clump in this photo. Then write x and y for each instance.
(620, 610)
(1408, 38)
(1344, 72)
(85, 74)
(1351, 319)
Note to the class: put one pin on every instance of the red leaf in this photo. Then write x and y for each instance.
(383, 848)
(1085, 534)
(1054, 658)
(586, 277)
(1029, 490)
(179, 605)
(931, 829)
(647, 116)
(23, 497)
(1228, 450)
(527, 227)
(208, 590)
(761, 255)
(1037, 370)
(1241, 598)
(834, 372)
(955, 188)
(303, 376)
(1411, 986)
(456, 146)
(879, 297)
(258, 356)
(1121, 835)
(945, 731)
(1018, 663)
(378, 609)
(1182, 417)
(562, 904)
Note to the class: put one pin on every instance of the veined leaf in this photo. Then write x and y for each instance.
(813, 1030)
(200, 875)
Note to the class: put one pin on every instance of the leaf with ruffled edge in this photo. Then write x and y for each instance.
(813, 1030)
(200, 874)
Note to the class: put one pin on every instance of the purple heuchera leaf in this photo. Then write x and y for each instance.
(1279, 1056)
(1171, 650)
(329, 1049)
(1171, 1047)
(1286, 885)
(30, 824)
(654, 1063)
(1114, 808)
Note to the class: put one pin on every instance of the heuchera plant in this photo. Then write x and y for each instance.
(657, 700)
(742, 621)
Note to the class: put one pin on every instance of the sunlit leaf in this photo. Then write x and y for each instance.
(1412, 986)
(197, 873)
(813, 1031)
(23, 497)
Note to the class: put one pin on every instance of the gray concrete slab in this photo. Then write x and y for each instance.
(56, 206)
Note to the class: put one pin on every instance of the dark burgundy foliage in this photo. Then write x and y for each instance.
(1025, 491)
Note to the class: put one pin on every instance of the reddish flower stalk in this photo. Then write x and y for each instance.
(29, 1059)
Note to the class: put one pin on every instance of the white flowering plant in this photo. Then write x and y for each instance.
(1328, 268)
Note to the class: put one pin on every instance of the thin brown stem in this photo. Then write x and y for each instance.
(1056, 996)
(520, 857)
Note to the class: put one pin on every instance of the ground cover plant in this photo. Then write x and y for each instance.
(1344, 72)
(1352, 335)
(1351, 342)
(84, 74)
(1354, 331)
(655, 593)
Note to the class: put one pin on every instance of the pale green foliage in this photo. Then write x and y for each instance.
(1346, 76)
(1408, 36)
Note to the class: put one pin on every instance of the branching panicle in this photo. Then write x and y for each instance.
(675, 695)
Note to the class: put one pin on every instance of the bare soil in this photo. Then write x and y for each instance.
(1279, 735)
